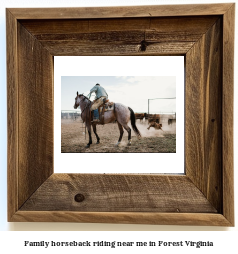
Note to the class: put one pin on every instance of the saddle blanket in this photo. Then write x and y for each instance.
(108, 106)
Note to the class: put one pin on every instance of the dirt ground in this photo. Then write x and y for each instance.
(152, 141)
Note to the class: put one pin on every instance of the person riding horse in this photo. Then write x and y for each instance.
(121, 113)
(101, 94)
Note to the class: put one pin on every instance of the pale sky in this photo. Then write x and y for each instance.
(132, 91)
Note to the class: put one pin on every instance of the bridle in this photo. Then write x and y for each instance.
(88, 102)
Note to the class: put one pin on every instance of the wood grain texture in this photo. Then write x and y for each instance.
(204, 115)
(174, 36)
(204, 196)
(72, 48)
(12, 116)
(121, 12)
(189, 26)
(104, 193)
(228, 113)
(35, 114)
(192, 219)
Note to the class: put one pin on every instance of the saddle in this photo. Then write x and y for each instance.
(106, 106)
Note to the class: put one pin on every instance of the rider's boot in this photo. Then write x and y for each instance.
(95, 116)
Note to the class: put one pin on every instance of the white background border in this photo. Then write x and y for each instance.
(119, 162)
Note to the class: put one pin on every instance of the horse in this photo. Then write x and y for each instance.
(122, 114)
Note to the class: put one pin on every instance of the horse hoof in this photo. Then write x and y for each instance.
(98, 142)
(118, 143)
(87, 146)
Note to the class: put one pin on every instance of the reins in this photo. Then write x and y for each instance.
(85, 108)
(88, 114)
(88, 103)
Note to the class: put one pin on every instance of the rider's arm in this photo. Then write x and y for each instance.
(94, 89)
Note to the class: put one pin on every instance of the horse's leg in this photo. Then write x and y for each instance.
(123, 117)
(129, 135)
(90, 136)
(128, 129)
(121, 134)
(95, 132)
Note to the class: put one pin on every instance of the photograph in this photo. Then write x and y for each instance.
(118, 114)
(114, 109)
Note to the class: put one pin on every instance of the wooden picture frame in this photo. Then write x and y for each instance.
(204, 34)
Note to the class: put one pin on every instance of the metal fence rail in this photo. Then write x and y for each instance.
(172, 98)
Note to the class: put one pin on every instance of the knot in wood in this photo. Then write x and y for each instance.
(79, 198)
(143, 45)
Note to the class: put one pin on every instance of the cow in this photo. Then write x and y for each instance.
(157, 126)
(171, 121)
(153, 118)
(139, 116)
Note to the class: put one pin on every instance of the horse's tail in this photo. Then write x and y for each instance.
(133, 123)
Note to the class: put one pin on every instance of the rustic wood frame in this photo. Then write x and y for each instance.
(204, 34)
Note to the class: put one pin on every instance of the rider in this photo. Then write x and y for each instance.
(101, 94)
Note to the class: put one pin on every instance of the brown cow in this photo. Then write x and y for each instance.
(171, 121)
(157, 126)
(153, 118)
(139, 116)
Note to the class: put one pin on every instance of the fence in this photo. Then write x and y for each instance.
(162, 106)
(70, 114)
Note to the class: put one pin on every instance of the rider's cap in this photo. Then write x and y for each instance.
(97, 84)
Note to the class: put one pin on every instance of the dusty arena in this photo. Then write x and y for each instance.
(74, 139)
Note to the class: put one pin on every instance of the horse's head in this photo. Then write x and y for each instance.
(78, 98)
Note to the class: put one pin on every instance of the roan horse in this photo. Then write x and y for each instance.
(121, 114)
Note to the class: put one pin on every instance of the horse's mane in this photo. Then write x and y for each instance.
(85, 97)
(86, 110)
